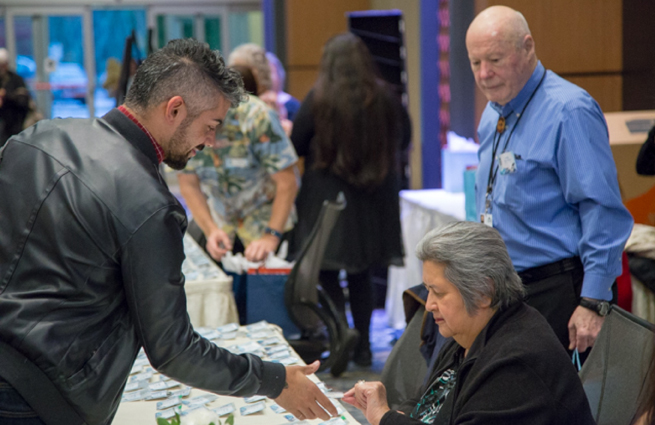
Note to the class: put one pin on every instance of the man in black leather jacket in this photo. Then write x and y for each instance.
(91, 253)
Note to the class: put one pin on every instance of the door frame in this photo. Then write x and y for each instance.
(87, 36)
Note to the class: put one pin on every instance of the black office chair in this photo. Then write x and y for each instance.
(614, 374)
(325, 334)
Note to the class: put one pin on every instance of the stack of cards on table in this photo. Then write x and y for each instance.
(173, 397)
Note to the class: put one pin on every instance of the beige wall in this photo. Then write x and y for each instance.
(411, 15)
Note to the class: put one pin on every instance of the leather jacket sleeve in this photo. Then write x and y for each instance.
(154, 286)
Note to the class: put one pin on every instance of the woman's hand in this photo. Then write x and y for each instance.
(370, 398)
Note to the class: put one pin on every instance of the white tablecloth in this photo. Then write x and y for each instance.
(420, 212)
(210, 300)
(143, 412)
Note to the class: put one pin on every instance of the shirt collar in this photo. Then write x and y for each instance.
(131, 132)
(519, 101)
(158, 149)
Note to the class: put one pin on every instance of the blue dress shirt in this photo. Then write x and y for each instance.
(563, 199)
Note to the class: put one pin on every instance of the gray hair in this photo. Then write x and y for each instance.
(4, 56)
(476, 261)
(185, 68)
(254, 57)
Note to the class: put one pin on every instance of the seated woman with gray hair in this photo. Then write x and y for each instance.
(504, 365)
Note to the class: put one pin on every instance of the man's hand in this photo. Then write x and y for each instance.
(370, 398)
(258, 250)
(302, 398)
(583, 328)
(218, 244)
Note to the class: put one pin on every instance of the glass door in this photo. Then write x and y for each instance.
(246, 25)
(111, 28)
(52, 49)
(206, 23)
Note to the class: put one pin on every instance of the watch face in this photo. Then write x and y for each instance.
(603, 308)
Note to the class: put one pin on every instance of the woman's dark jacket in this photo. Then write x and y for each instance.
(516, 372)
(90, 268)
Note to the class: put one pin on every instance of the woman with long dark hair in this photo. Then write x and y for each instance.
(350, 129)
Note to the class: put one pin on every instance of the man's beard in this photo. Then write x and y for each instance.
(177, 158)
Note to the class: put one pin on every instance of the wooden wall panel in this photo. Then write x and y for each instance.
(301, 80)
(606, 89)
(578, 36)
(309, 24)
(580, 40)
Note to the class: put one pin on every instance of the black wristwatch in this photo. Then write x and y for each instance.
(599, 307)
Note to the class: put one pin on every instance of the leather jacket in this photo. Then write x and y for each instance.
(90, 268)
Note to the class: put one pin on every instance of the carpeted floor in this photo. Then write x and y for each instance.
(382, 337)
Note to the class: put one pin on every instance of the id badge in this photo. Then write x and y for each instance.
(507, 163)
(487, 220)
(236, 162)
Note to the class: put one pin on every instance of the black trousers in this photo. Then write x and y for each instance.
(360, 290)
(556, 297)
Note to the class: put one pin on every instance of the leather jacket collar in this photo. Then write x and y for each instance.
(132, 133)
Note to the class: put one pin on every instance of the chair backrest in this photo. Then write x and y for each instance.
(405, 368)
(301, 287)
(615, 372)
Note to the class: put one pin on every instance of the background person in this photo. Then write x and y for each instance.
(546, 179)
(504, 365)
(349, 131)
(91, 253)
(286, 104)
(249, 177)
(14, 100)
(646, 157)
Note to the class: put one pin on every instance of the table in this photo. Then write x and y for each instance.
(143, 412)
(625, 145)
(210, 300)
(420, 212)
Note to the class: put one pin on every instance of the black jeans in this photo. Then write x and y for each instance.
(14, 410)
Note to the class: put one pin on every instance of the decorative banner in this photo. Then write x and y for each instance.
(443, 40)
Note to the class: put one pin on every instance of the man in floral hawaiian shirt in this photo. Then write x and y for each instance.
(250, 182)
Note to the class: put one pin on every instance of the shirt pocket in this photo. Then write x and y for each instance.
(508, 190)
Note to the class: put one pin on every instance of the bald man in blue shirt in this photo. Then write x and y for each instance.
(546, 180)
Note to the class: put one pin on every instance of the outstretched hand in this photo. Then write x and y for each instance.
(302, 398)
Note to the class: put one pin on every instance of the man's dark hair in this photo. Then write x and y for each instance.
(185, 68)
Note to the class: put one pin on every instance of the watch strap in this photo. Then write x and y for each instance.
(269, 231)
(599, 307)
